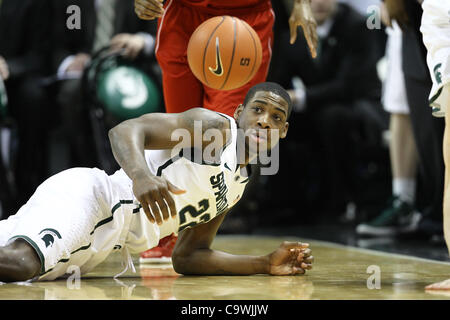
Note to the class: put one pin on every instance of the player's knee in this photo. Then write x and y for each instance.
(28, 268)
(18, 262)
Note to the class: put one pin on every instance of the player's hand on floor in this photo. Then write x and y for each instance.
(148, 9)
(302, 16)
(290, 258)
(155, 196)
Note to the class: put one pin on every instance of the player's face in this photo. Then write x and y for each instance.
(322, 9)
(264, 119)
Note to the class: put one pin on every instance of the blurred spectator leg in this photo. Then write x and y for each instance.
(404, 158)
(337, 125)
(428, 133)
(29, 107)
(346, 132)
(76, 124)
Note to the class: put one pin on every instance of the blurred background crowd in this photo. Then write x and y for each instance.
(363, 148)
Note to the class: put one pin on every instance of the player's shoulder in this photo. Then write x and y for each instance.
(209, 119)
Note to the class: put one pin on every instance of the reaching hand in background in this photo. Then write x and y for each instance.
(148, 9)
(131, 44)
(302, 16)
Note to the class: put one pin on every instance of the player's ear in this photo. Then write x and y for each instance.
(284, 130)
(238, 111)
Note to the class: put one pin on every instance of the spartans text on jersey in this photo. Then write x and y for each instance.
(218, 183)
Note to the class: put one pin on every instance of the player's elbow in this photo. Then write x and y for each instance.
(195, 262)
(180, 263)
(184, 262)
(118, 131)
(114, 132)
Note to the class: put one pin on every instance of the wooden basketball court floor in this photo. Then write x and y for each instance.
(339, 273)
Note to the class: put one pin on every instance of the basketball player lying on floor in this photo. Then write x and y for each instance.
(81, 215)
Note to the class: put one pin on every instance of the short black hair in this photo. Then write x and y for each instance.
(272, 87)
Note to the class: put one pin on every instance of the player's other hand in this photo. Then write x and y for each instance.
(155, 196)
(130, 44)
(148, 9)
(302, 16)
(290, 258)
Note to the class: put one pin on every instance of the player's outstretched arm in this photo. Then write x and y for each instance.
(130, 138)
(157, 131)
(192, 255)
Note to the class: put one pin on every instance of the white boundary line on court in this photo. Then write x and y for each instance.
(343, 246)
(377, 252)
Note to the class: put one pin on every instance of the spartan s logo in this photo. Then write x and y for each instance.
(437, 73)
(48, 236)
(218, 71)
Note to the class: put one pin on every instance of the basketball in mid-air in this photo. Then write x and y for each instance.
(224, 53)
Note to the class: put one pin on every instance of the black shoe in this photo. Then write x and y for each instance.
(398, 218)
(431, 228)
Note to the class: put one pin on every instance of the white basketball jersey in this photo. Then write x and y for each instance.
(105, 216)
(211, 189)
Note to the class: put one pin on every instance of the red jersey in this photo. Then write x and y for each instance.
(229, 6)
(182, 90)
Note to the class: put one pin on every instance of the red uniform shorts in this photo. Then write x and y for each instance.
(182, 90)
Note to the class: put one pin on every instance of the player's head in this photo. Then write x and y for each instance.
(273, 87)
(266, 109)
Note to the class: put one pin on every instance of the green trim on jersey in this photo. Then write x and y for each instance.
(66, 260)
(434, 98)
(109, 219)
